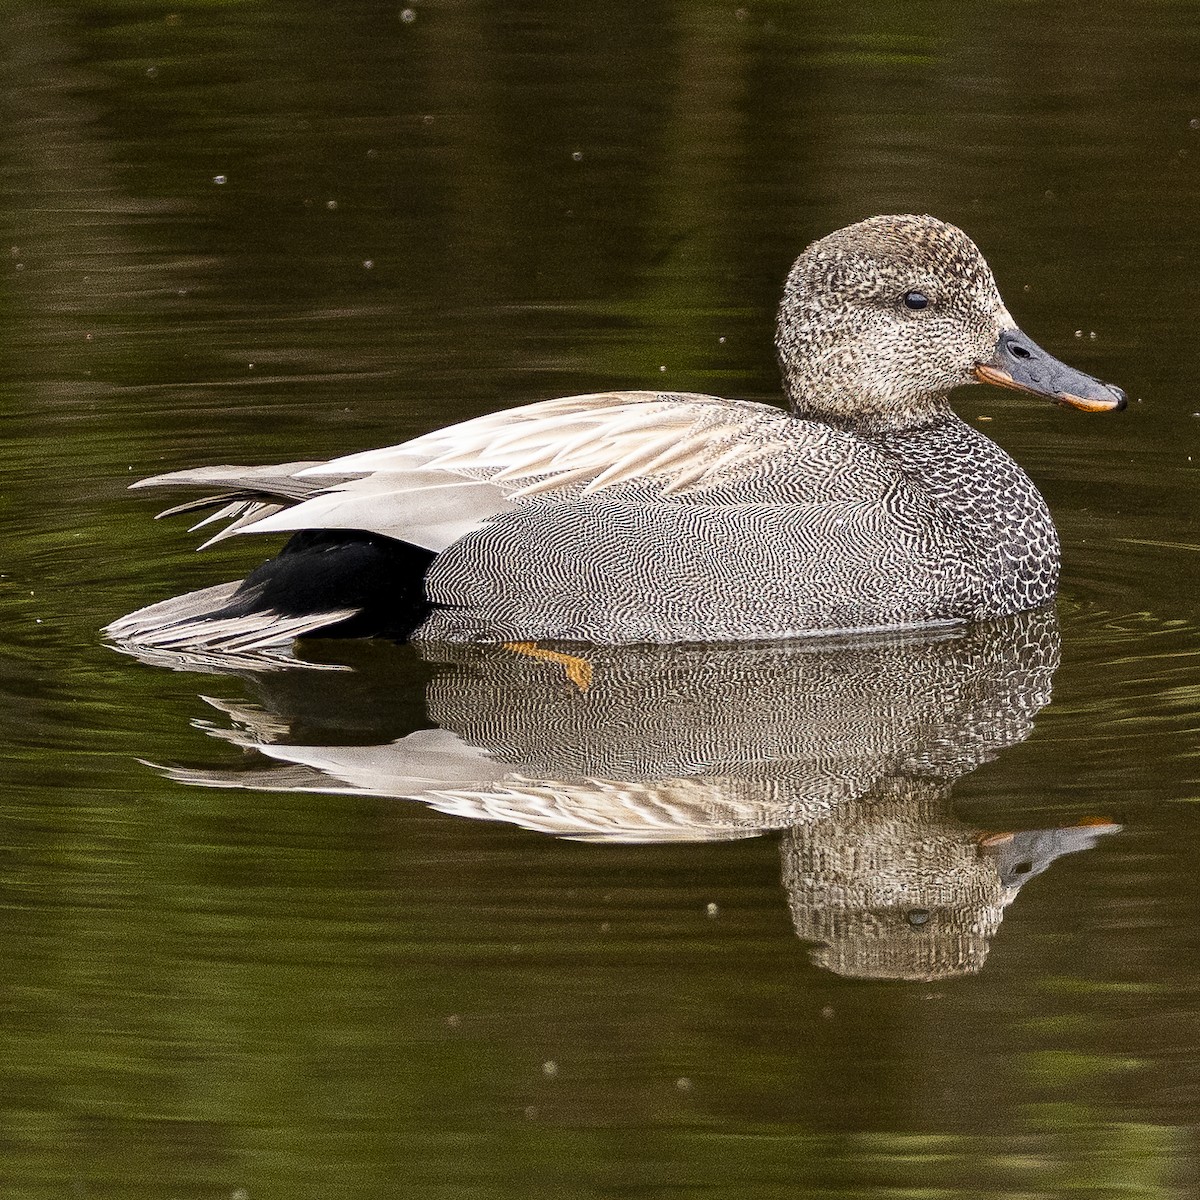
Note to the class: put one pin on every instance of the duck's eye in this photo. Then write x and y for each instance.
(916, 300)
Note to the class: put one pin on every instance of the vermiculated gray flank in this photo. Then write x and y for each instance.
(626, 517)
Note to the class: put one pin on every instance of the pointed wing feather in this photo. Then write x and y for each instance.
(436, 488)
(421, 491)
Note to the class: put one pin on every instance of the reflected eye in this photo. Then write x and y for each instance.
(916, 300)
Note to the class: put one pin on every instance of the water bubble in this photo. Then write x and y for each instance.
(1194, 123)
(721, 341)
(549, 1068)
(577, 156)
(712, 909)
(368, 264)
(1079, 333)
(408, 16)
(218, 179)
(1092, 334)
(662, 369)
(331, 205)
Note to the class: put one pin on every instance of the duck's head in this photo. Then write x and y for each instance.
(880, 320)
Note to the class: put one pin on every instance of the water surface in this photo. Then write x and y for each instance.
(252, 232)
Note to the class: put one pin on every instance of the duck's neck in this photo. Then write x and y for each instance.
(892, 418)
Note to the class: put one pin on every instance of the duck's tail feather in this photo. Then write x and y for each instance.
(218, 620)
(331, 583)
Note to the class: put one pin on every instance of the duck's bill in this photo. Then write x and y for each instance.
(1020, 363)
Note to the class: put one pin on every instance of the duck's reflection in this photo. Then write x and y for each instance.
(849, 748)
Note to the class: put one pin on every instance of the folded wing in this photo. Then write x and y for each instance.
(433, 490)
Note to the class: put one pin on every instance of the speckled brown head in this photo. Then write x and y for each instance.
(880, 320)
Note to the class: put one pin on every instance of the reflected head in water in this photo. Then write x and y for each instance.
(900, 888)
(623, 518)
(848, 748)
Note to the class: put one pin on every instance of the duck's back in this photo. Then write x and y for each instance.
(839, 531)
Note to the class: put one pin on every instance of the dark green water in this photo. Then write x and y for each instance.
(249, 990)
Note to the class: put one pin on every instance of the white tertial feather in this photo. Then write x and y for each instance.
(440, 486)
(435, 489)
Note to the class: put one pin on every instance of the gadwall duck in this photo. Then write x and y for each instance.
(626, 517)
